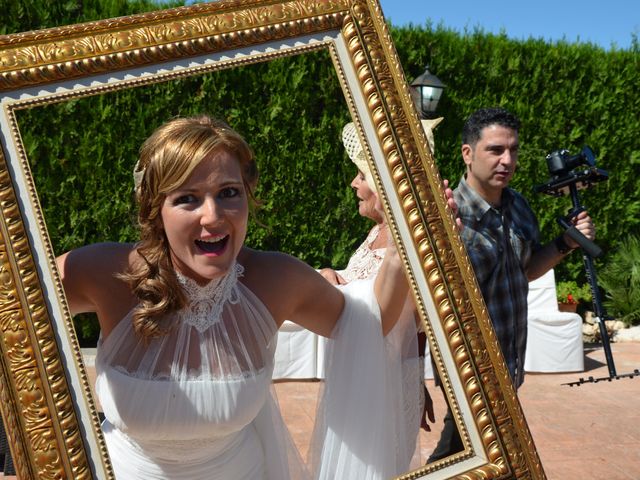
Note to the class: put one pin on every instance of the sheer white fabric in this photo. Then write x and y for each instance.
(401, 345)
(369, 416)
(376, 382)
(195, 403)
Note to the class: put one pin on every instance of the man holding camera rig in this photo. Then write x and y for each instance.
(501, 235)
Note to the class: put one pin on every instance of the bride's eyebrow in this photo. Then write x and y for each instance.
(230, 181)
(200, 186)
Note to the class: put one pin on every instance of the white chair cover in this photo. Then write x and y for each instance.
(296, 353)
(554, 340)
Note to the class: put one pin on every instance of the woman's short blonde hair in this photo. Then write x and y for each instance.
(167, 159)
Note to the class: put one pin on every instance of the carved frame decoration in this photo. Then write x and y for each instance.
(50, 418)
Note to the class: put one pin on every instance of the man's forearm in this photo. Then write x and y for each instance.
(547, 257)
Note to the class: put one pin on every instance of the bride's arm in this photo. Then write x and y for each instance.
(89, 278)
(315, 304)
(292, 290)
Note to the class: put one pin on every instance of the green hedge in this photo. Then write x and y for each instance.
(24, 15)
(567, 95)
(292, 112)
(83, 153)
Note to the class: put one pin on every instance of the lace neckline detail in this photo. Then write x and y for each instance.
(365, 261)
(205, 303)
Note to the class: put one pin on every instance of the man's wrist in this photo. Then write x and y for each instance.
(562, 246)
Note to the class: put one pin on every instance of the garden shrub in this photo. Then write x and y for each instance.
(620, 279)
(292, 111)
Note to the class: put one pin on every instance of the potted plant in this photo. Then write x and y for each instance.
(570, 295)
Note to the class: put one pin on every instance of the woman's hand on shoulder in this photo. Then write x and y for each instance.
(331, 276)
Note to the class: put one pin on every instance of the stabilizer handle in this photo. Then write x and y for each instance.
(589, 247)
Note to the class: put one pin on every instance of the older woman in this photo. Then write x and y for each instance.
(366, 260)
(403, 343)
(189, 317)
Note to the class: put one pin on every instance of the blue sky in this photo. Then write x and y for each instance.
(600, 22)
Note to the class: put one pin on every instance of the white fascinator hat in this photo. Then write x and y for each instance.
(354, 149)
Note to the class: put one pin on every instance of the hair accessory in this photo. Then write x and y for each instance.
(138, 175)
(354, 149)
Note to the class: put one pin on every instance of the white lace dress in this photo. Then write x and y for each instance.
(365, 261)
(380, 375)
(194, 404)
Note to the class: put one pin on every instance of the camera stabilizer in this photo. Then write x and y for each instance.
(569, 173)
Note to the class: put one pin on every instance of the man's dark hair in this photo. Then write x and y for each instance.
(485, 117)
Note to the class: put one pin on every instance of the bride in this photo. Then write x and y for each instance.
(189, 317)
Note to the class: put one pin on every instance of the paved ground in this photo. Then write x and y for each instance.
(583, 432)
(590, 431)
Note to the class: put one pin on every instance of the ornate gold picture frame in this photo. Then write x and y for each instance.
(45, 396)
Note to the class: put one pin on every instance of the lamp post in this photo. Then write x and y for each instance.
(426, 91)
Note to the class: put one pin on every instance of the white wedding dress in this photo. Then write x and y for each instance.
(376, 381)
(196, 403)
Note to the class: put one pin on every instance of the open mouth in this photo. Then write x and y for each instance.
(213, 246)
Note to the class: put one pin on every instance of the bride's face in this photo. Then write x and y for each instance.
(205, 219)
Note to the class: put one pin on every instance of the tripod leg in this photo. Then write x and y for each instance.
(588, 252)
(600, 313)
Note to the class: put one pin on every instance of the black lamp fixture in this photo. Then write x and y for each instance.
(426, 91)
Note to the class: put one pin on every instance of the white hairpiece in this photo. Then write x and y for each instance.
(354, 149)
(138, 175)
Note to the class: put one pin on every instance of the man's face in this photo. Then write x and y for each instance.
(492, 161)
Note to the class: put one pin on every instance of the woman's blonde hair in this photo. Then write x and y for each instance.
(167, 159)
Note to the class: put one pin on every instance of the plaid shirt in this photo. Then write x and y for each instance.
(500, 265)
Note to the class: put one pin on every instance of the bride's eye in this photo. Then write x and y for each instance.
(229, 192)
(184, 199)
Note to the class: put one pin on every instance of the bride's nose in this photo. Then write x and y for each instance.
(211, 212)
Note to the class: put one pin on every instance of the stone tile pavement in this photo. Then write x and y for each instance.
(591, 431)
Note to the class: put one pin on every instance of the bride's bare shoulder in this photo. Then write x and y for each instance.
(90, 275)
(99, 258)
(264, 267)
